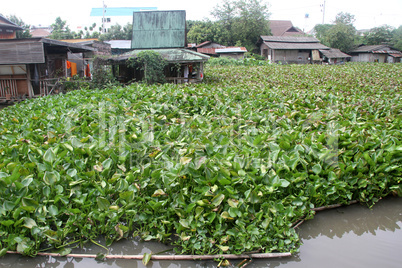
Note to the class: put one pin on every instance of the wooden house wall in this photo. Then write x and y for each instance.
(291, 56)
(369, 57)
(7, 35)
(14, 82)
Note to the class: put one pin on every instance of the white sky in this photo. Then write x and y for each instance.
(76, 12)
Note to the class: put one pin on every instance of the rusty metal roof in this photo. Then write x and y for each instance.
(223, 49)
(210, 50)
(231, 50)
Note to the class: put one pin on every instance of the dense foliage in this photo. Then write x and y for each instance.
(152, 64)
(224, 166)
(341, 34)
(238, 23)
(24, 33)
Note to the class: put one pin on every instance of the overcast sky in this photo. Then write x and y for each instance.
(77, 12)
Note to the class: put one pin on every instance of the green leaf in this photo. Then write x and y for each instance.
(226, 215)
(51, 177)
(29, 223)
(53, 210)
(185, 160)
(217, 200)
(146, 258)
(49, 156)
(7, 223)
(317, 169)
(158, 192)
(103, 203)
(107, 164)
(185, 223)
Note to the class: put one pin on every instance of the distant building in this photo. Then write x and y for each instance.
(40, 31)
(291, 49)
(8, 29)
(284, 28)
(165, 33)
(217, 50)
(115, 15)
(32, 67)
(376, 53)
(334, 56)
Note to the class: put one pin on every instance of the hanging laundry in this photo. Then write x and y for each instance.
(87, 71)
(73, 68)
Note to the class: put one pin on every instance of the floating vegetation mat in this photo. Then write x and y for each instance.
(222, 167)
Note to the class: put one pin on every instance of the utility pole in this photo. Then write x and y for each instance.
(323, 12)
(103, 17)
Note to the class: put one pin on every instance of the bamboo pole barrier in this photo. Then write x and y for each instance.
(171, 257)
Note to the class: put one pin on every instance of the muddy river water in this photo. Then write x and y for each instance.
(353, 236)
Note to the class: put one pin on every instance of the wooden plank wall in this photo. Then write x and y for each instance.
(13, 86)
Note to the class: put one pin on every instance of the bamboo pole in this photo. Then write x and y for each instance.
(171, 257)
(334, 206)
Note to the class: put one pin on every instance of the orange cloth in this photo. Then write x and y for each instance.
(73, 68)
(68, 64)
(87, 71)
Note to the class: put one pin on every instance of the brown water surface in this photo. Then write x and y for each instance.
(353, 236)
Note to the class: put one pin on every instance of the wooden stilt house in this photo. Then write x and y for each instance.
(33, 66)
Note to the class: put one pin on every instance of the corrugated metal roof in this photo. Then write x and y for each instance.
(370, 48)
(284, 45)
(385, 51)
(334, 53)
(172, 55)
(159, 29)
(31, 50)
(290, 39)
(396, 55)
(118, 11)
(6, 23)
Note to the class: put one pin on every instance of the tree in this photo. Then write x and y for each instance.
(20, 34)
(243, 21)
(321, 32)
(341, 34)
(345, 18)
(60, 30)
(379, 35)
(397, 38)
(342, 37)
(117, 32)
(207, 30)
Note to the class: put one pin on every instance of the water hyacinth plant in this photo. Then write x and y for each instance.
(226, 166)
